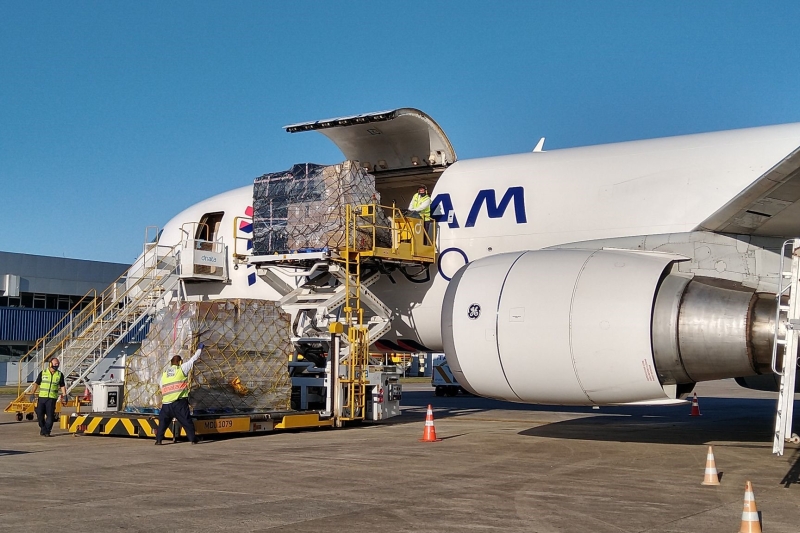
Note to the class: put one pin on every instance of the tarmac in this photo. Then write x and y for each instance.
(499, 467)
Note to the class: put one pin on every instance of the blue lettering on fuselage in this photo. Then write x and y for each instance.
(442, 209)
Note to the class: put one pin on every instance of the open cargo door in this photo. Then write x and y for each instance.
(401, 147)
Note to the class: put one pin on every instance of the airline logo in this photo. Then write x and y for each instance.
(442, 209)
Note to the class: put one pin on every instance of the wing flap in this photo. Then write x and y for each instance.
(770, 206)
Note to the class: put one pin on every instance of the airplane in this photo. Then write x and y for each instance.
(597, 275)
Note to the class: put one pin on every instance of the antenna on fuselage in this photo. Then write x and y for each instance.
(539, 145)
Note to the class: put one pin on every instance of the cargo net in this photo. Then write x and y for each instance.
(304, 209)
(243, 367)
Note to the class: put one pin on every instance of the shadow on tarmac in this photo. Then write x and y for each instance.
(4, 453)
(745, 420)
(792, 477)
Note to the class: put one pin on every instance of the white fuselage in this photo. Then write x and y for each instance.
(648, 187)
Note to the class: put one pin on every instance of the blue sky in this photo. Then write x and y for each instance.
(117, 115)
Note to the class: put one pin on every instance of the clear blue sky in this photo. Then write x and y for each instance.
(117, 115)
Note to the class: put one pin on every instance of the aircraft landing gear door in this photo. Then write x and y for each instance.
(203, 254)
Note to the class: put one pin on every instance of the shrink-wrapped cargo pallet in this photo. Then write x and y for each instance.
(243, 366)
(304, 209)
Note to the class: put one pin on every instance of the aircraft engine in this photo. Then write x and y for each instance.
(581, 327)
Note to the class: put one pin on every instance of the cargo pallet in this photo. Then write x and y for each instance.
(145, 425)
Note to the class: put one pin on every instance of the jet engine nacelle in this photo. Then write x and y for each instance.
(587, 327)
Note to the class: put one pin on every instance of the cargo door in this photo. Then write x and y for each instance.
(402, 148)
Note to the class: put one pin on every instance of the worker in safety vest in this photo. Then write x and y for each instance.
(421, 205)
(175, 397)
(51, 387)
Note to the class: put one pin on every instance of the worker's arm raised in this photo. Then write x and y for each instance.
(187, 366)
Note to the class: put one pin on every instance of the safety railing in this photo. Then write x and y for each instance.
(389, 232)
(103, 323)
(242, 250)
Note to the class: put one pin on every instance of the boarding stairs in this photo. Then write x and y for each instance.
(85, 336)
(787, 313)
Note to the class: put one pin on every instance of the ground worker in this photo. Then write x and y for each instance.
(421, 205)
(175, 397)
(49, 383)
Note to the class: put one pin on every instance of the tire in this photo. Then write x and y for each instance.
(452, 391)
(439, 390)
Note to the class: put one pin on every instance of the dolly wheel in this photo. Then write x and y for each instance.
(19, 417)
(29, 416)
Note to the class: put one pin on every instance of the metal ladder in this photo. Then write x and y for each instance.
(788, 367)
(81, 341)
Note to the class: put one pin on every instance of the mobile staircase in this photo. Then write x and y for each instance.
(85, 335)
(331, 292)
(789, 314)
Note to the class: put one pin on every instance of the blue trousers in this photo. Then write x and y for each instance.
(45, 412)
(179, 410)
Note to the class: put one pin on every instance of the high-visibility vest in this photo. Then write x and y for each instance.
(174, 385)
(48, 388)
(417, 201)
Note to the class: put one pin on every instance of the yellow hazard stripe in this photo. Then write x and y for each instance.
(132, 431)
(148, 429)
(93, 423)
(111, 422)
(75, 422)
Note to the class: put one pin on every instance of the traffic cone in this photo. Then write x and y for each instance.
(695, 406)
(712, 476)
(750, 521)
(429, 435)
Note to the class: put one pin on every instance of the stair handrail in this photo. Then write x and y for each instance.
(88, 315)
(781, 291)
(51, 336)
(139, 316)
(148, 275)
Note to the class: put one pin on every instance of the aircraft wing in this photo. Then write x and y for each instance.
(769, 206)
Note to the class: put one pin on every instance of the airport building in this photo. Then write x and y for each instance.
(36, 292)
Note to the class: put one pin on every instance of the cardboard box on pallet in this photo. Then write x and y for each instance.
(243, 366)
(305, 208)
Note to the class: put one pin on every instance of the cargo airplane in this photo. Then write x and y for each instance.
(595, 275)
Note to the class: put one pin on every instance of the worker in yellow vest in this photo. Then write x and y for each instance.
(421, 205)
(49, 383)
(175, 397)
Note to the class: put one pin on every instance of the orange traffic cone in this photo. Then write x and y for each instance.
(750, 521)
(712, 476)
(695, 406)
(87, 395)
(429, 435)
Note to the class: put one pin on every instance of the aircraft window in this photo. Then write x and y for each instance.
(208, 229)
